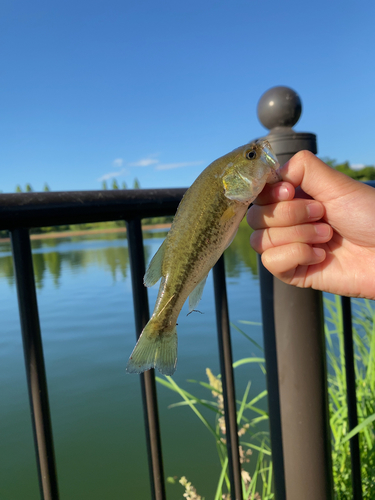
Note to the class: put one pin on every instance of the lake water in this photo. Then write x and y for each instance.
(87, 323)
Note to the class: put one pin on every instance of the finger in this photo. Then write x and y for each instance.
(284, 213)
(273, 193)
(299, 193)
(316, 233)
(283, 261)
(315, 177)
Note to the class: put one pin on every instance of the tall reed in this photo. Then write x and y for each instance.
(252, 439)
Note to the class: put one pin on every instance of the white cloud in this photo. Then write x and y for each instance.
(144, 162)
(169, 166)
(357, 166)
(118, 162)
(111, 175)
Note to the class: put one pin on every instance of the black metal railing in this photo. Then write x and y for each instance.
(20, 212)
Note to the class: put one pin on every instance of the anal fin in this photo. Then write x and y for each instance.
(196, 295)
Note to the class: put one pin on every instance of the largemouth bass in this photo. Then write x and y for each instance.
(205, 224)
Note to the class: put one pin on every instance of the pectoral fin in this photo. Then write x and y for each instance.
(239, 188)
(153, 273)
(229, 213)
(196, 295)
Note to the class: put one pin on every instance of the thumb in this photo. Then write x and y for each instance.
(316, 178)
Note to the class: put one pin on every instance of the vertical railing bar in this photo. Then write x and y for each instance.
(355, 456)
(148, 386)
(227, 377)
(34, 362)
(270, 354)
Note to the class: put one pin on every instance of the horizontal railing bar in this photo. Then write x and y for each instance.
(75, 207)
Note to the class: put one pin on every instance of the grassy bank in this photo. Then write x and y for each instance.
(255, 448)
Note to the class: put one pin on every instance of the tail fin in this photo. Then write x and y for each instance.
(154, 351)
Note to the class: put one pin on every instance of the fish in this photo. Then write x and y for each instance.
(205, 224)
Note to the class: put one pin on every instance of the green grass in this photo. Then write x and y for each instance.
(249, 415)
(364, 357)
(255, 443)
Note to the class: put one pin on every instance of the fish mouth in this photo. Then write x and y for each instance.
(268, 156)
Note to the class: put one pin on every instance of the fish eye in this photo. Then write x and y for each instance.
(250, 155)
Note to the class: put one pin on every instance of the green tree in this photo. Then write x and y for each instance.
(363, 174)
(18, 189)
(53, 261)
(329, 161)
(367, 173)
(104, 185)
(115, 184)
(28, 188)
(136, 184)
(123, 185)
(46, 187)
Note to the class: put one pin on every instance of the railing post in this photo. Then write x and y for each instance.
(147, 379)
(270, 354)
(300, 342)
(351, 395)
(227, 377)
(34, 363)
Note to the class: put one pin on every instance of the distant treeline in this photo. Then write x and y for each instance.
(92, 225)
(366, 173)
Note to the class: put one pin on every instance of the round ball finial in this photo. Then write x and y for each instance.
(279, 107)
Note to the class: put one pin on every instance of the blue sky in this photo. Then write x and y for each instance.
(92, 89)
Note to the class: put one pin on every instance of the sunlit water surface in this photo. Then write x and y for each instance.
(87, 323)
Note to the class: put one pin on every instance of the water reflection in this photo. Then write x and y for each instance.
(6, 269)
(109, 251)
(240, 254)
(51, 263)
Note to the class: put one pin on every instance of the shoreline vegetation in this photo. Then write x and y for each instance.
(70, 230)
(254, 440)
(75, 231)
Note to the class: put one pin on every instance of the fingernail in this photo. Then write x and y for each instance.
(314, 210)
(283, 193)
(319, 252)
(322, 230)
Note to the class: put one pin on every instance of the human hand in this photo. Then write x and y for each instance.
(325, 240)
